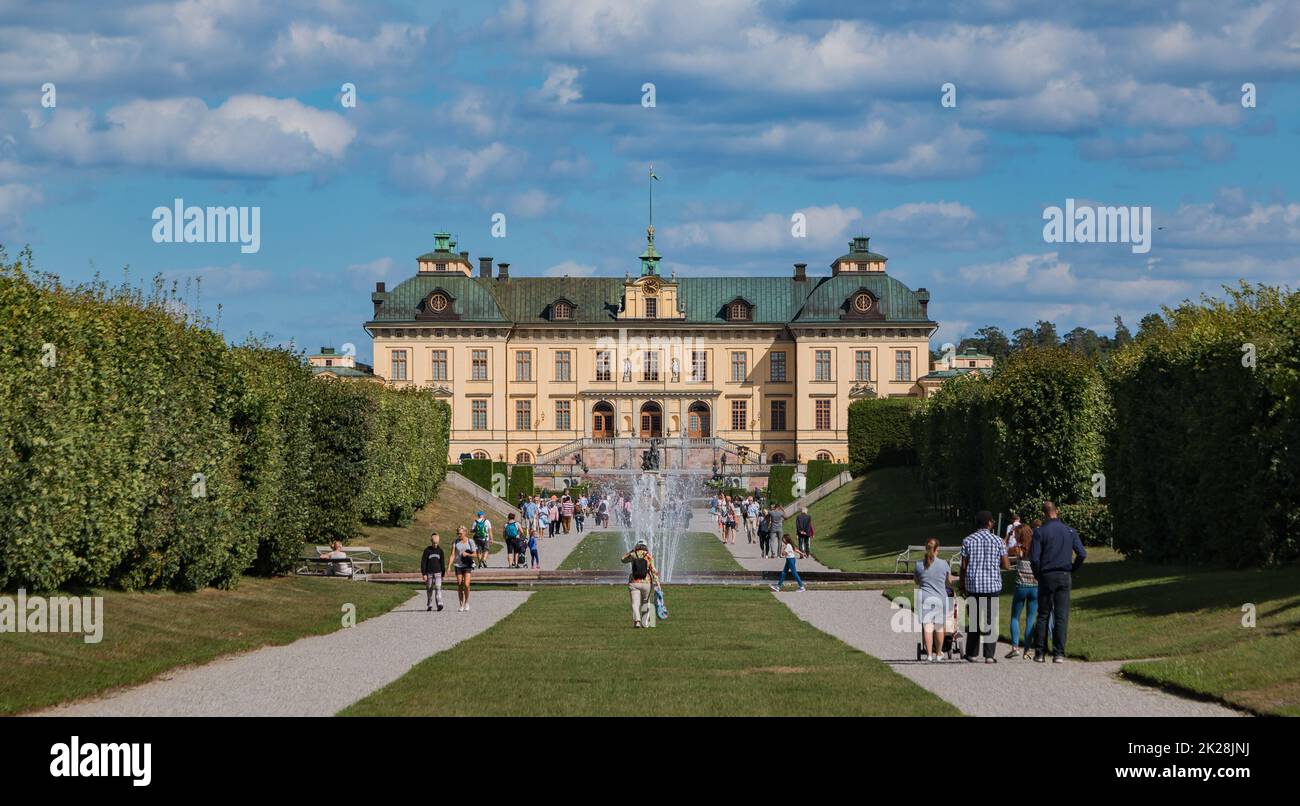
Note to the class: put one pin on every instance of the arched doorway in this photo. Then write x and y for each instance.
(697, 420)
(777, 459)
(652, 420)
(602, 420)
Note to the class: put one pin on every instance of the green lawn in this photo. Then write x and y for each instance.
(863, 525)
(604, 551)
(723, 651)
(148, 633)
(1191, 620)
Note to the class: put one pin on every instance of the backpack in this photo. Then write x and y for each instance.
(480, 530)
(512, 529)
(640, 567)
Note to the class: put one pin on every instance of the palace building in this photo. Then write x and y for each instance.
(709, 370)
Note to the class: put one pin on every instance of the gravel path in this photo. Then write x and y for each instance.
(746, 553)
(320, 675)
(862, 619)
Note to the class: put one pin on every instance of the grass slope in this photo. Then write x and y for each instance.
(401, 546)
(863, 525)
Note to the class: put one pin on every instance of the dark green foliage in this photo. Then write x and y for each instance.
(1204, 461)
(1032, 431)
(880, 433)
(149, 453)
(780, 484)
(821, 471)
(478, 471)
(521, 482)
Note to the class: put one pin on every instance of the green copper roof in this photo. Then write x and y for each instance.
(859, 252)
(829, 299)
(596, 300)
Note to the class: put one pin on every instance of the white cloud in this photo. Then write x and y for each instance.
(532, 203)
(308, 43)
(15, 200)
(248, 135)
(368, 273)
(562, 84)
(826, 226)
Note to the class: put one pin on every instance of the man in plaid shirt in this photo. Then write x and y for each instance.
(983, 559)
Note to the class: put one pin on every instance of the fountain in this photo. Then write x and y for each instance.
(660, 513)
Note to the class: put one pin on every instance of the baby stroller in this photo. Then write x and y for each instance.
(953, 641)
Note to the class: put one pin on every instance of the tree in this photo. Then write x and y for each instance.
(1151, 324)
(1122, 335)
(1045, 334)
(1022, 339)
(989, 340)
(1083, 341)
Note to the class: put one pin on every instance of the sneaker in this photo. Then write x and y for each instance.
(775, 588)
(990, 660)
(971, 659)
(636, 624)
(439, 608)
(800, 589)
(1040, 658)
(1014, 653)
(1058, 659)
(460, 609)
(428, 609)
(466, 608)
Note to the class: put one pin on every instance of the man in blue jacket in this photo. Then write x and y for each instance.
(1056, 554)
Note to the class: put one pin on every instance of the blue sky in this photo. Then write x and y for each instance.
(762, 110)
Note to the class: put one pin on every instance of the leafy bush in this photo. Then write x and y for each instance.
(1204, 462)
(821, 471)
(478, 471)
(138, 449)
(880, 433)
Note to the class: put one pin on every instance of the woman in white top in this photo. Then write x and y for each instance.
(463, 554)
(789, 551)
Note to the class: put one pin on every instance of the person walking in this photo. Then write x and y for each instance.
(553, 512)
(481, 530)
(933, 580)
(983, 559)
(764, 533)
(1010, 536)
(543, 521)
(566, 513)
(776, 515)
(642, 581)
(530, 515)
(432, 563)
(1026, 592)
(580, 514)
(462, 555)
(791, 567)
(752, 511)
(532, 550)
(514, 541)
(803, 528)
(1056, 555)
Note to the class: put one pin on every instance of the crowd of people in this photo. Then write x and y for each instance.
(765, 526)
(1044, 555)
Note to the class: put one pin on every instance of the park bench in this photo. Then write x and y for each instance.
(361, 560)
(904, 558)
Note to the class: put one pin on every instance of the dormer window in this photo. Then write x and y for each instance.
(438, 305)
(738, 312)
(440, 267)
(438, 302)
(562, 310)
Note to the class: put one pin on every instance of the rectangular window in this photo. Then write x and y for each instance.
(862, 365)
(651, 307)
(739, 415)
(776, 364)
(523, 365)
(699, 365)
(563, 411)
(739, 367)
(439, 368)
(822, 365)
(563, 366)
(603, 365)
(823, 415)
(523, 415)
(778, 415)
(478, 415)
(478, 365)
(903, 365)
(398, 366)
(650, 365)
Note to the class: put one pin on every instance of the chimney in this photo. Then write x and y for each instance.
(465, 256)
(378, 297)
(800, 272)
(379, 287)
(923, 297)
(485, 267)
(503, 272)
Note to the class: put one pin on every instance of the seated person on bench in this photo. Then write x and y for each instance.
(337, 553)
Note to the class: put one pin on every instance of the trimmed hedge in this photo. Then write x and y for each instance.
(521, 482)
(821, 471)
(1204, 461)
(880, 433)
(478, 471)
(780, 484)
(1033, 430)
(140, 450)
